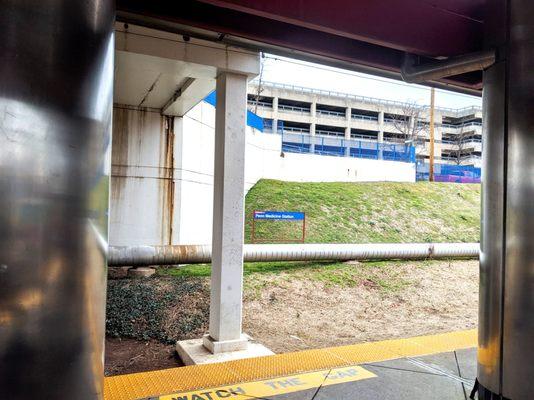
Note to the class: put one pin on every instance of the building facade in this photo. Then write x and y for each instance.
(325, 122)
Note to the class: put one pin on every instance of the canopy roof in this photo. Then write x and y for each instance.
(364, 35)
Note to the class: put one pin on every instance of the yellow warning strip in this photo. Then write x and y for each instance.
(277, 386)
(194, 378)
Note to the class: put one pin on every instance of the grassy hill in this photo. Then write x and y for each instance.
(369, 212)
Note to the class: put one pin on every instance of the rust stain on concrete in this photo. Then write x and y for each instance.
(119, 150)
(167, 178)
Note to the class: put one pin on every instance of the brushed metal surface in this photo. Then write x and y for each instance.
(491, 230)
(506, 323)
(518, 324)
(56, 79)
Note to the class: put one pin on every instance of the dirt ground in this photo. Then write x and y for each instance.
(293, 315)
(129, 356)
(288, 313)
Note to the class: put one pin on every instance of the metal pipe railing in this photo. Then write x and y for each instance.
(199, 254)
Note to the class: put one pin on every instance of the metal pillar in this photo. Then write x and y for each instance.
(56, 85)
(228, 216)
(506, 321)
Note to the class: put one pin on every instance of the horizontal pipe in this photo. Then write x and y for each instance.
(450, 67)
(198, 254)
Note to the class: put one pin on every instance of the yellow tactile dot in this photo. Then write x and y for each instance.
(364, 352)
(284, 364)
(447, 341)
(134, 386)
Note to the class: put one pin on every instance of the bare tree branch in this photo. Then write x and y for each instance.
(460, 144)
(411, 123)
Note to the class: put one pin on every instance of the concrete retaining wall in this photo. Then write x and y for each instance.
(162, 172)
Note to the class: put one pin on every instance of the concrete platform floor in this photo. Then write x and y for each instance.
(438, 377)
(426, 367)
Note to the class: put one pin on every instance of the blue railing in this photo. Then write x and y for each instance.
(364, 117)
(327, 113)
(332, 146)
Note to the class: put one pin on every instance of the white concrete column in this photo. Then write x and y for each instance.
(411, 124)
(380, 134)
(275, 114)
(177, 163)
(313, 113)
(438, 135)
(348, 118)
(228, 216)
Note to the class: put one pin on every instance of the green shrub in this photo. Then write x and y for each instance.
(161, 308)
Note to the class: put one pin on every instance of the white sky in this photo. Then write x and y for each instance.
(300, 73)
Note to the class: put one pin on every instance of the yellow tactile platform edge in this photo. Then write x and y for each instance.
(276, 386)
(147, 384)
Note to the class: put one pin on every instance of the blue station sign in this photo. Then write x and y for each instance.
(279, 215)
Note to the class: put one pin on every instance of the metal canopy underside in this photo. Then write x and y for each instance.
(367, 35)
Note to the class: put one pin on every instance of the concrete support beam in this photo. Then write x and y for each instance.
(203, 58)
(165, 71)
(438, 135)
(228, 216)
(313, 113)
(380, 134)
(225, 340)
(275, 114)
(348, 119)
(188, 94)
(381, 126)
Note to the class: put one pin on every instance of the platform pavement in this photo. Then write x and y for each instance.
(426, 367)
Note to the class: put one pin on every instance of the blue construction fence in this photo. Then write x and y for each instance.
(253, 120)
(338, 147)
(449, 173)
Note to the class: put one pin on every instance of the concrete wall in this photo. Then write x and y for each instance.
(141, 178)
(264, 161)
(197, 139)
(162, 171)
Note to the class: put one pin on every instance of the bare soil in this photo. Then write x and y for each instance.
(125, 356)
(289, 315)
(293, 312)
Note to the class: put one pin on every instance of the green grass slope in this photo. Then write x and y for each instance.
(368, 212)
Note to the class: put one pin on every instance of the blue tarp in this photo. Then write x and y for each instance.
(449, 173)
(253, 120)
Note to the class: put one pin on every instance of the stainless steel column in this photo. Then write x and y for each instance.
(518, 308)
(56, 79)
(506, 325)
